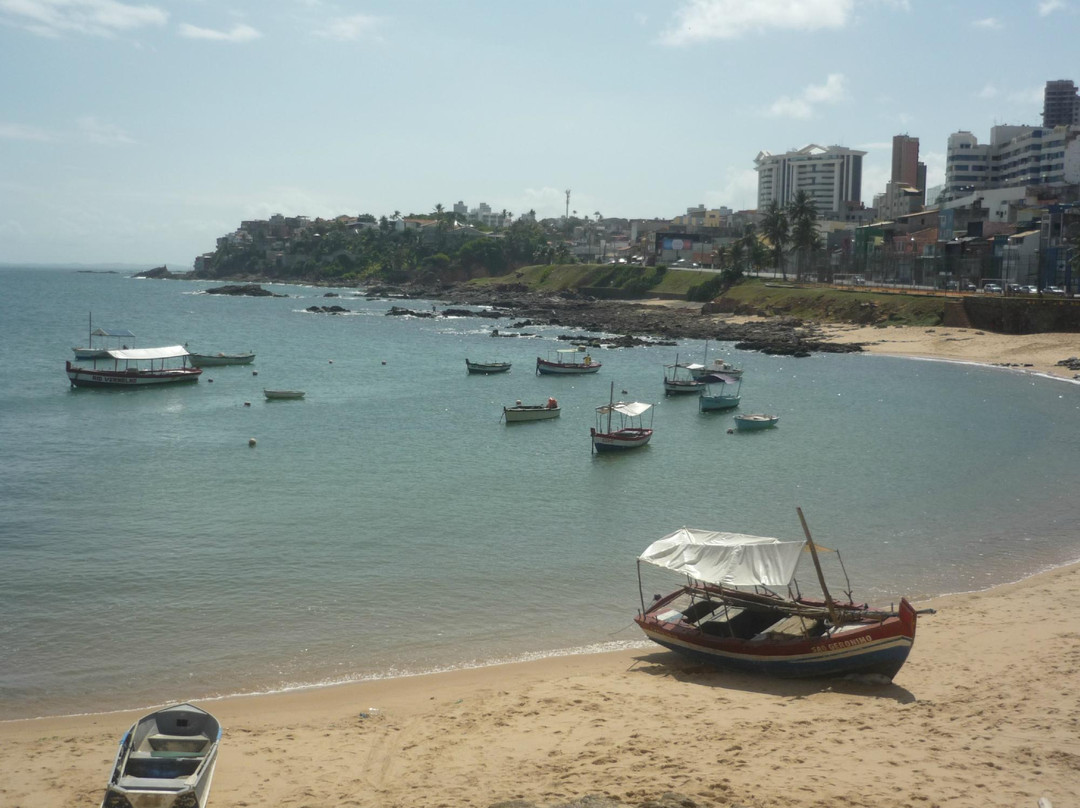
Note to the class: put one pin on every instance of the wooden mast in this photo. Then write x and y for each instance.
(817, 567)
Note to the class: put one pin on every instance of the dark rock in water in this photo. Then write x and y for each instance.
(159, 273)
(399, 311)
(327, 309)
(331, 294)
(245, 289)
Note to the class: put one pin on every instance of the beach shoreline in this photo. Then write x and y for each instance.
(984, 713)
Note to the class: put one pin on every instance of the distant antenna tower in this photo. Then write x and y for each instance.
(567, 217)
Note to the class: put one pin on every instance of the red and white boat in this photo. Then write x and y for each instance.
(135, 367)
(630, 432)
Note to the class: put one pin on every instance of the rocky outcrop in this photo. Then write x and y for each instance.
(630, 323)
(327, 309)
(245, 289)
(159, 273)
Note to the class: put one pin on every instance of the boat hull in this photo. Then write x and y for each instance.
(166, 759)
(517, 415)
(122, 379)
(751, 424)
(214, 360)
(620, 440)
(712, 403)
(486, 368)
(283, 395)
(547, 368)
(674, 388)
(877, 647)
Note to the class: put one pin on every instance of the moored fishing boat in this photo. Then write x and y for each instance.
(108, 339)
(134, 367)
(752, 422)
(679, 379)
(728, 615)
(214, 360)
(718, 393)
(521, 413)
(486, 368)
(566, 363)
(718, 365)
(166, 760)
(631, 433)
(279, 395)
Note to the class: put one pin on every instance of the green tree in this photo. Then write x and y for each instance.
(804, 233)
(777, 230)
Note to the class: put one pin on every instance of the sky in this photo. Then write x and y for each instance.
(140, 132)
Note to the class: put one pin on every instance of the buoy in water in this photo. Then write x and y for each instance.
(209, 381)
(384, 361)
(247, 403)
(251, 442)
(254, 373)
(731, 431)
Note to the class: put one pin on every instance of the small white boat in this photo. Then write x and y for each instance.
(274, 395)
(718, 365)
(213, 360)
(755, 421)
(166, 760)
(108, 340)
(566, 363)
(631, 432)
(486, 368)
(521, 413)
(135, 367)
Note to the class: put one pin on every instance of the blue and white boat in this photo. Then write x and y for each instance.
(721, 392)
(755, 421)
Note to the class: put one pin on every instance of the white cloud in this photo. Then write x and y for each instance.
(238, 33)
(54, 18)
(988, 22)
(704, 20)
(1047, 7)
(348, 29)
(738, 189)
(100, 132)
(832, 91)
(18, 131)
(989, 91)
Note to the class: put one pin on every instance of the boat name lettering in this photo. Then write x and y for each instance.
(843, 643)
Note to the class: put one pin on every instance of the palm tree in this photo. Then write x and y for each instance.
(720, 255)
(736, 251)
(777, 230)
(804, 233)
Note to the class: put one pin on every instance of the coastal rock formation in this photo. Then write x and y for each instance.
(327, 309)
(246, 289)
(647, 324)
(161, 272)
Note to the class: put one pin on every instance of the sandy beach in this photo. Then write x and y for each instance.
(985, 713)
(1033, 353)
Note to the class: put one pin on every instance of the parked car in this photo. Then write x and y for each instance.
(1053, 290)
(1014, 288)
(1029, 290)
(991, 289)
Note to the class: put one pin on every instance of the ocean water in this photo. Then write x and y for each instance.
(390, 523)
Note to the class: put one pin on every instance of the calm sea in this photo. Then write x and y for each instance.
(391, 523)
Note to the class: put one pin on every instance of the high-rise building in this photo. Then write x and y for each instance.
(1061, 104)
(1016, 156)
(905, 160)
(831, 177)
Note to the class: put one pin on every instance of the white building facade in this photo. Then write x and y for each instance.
(832, 177)
(1016, 156)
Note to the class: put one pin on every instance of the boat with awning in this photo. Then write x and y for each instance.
(135, 367)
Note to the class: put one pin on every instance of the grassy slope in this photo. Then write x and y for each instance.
(753, 296)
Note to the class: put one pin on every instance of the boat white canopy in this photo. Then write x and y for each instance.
(726, 559)
(630, 408)
(168, 352)
(719, 378)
